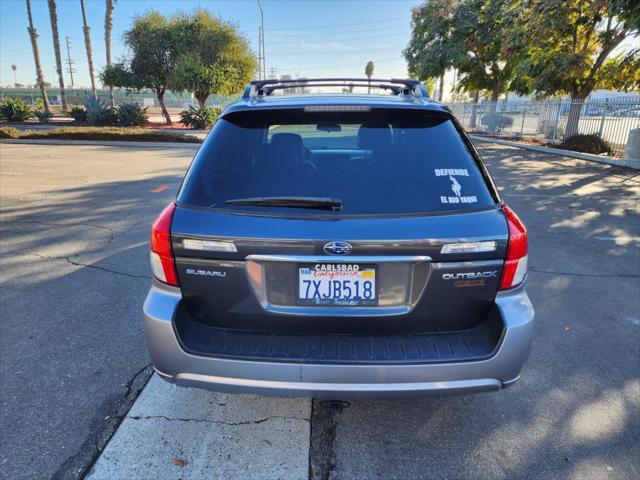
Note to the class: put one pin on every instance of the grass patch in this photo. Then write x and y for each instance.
(96, 133)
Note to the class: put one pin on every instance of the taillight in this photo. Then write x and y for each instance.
(515, 265)
(162, 263)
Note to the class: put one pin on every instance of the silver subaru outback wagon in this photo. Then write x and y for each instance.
(338, 245)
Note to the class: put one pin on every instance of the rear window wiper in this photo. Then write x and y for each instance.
(320, 203)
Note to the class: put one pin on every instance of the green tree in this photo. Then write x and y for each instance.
(368, 71)
(152, 58)
(213, 58)
(629, 11)
(490, 39)
(53, 17)
(483, 39)
(570, 46)
(430, 51)
(621, 72)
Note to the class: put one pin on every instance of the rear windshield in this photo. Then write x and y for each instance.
(380, 163)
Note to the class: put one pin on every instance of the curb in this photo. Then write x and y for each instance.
(563, 153)
(108, 143)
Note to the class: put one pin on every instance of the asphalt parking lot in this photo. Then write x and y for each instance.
(79, 398)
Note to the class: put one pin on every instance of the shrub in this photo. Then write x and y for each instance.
(132, 115)
(496, 121)
(97, 133)
(99, 114)
(43, 116)
(199, 118)
(9, 132)
(591, 143)
(78, 113)
(15, 110)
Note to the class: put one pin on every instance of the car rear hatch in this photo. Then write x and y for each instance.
(418, 288)
(399, 258)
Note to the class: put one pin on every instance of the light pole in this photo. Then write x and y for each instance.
(261, 57)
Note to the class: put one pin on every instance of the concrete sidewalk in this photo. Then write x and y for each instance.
(174, 432)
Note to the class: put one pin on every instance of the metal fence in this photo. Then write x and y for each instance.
(144, 97)
(553, 121)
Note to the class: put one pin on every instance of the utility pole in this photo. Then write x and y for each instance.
(273, 73)
(261, 55)
(70, 68)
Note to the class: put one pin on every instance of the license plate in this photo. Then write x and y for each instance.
(337, 284)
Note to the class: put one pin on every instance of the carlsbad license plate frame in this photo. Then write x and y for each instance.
(336, 284)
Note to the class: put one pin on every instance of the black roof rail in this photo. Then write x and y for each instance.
(396, 85)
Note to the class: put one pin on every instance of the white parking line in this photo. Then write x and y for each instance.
(172, 432)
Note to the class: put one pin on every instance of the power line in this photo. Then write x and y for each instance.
(338, 53)
(327, 36)
(353, 64)
(331, 36)
(311, 42)
(339, 25)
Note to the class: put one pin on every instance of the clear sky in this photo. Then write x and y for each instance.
(305, 38)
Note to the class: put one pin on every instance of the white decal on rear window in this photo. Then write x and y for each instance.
(467, 199)
(456, 187)
(447, 172)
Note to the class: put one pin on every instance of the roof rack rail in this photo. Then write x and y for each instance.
(397, 86)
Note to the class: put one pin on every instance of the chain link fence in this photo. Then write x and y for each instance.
(143, 97)
(553, 121)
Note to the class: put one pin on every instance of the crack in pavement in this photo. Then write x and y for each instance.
(78, 465)
(324, 423)
(218, 422)
(95, 267)
(594, 275)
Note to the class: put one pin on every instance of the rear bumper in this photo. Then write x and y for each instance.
(330, 380)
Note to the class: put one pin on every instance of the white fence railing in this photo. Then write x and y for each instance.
(553, 121)
(145, 98)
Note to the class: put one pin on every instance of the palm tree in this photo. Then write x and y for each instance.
(87, 42)
(36, 57)
(108, 24)
(53, 16)
(368, 71)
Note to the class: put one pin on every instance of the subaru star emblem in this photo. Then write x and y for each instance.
(337, 248)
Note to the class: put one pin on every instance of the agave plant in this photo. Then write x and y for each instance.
(78, 113)
(132, 115)
(98, 113)
(15, 110)
(199, 118)
(44, 116)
